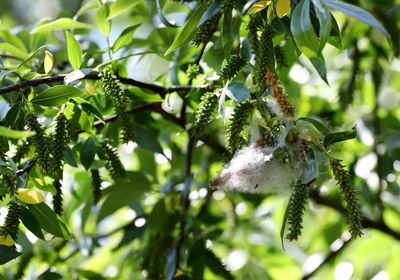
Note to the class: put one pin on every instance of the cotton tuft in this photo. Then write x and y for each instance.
(254, 169)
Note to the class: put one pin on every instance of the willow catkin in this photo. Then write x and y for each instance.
(12, 219)
(204, 113)
(111, 86)
(96, 185)
(237, 122)
(204, 32)
(353, 211)
(60, 141)
(39, 141)
(113, 163)
(232, 67)
(296, 206)
(264, 57)
(57, 198)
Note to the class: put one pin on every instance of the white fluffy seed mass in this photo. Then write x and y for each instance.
(253, 169)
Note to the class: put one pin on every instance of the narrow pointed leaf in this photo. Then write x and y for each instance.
(62, 23)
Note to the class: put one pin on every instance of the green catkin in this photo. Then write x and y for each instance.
(264, 57)
(113, 164)
(192, 71)
(112, 87)
(342, 179)
(96, 185)
(296, 205)
(57, 198)
(59, 145)
(39, 141)
(237, 122)
(12, 219)
(253, 34)
(204, 113)
(280, 57)
(205, 30)
(232, 67)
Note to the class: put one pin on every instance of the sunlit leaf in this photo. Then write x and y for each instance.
(282, 7)
(29, 196)
(16, 134)
(335, 137)
(259, 6)
(48, 62)
(74, 50)
(62, 23)
(56, 96)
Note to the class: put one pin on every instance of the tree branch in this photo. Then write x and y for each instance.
(162, 91)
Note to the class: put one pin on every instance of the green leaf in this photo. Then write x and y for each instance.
(305, 37)
(90, 275)
(56, 96)
(62, 23)
(31, 223)
(211, 11)
(88, 152)
(7, 254)
(49, 220)
(162, 17)
(335, 137)
(238, 91)
(16, 134)
(91, 110)
(125, 37)
(124, 192)
(335, 38)
(171, 263)
(85, 8)
(101, 20)
(12, 114)
(325, 24)
(13, 50)
(318, 125)
(259, 6)
(5, 73)
(187, 30)
(69, 157)
(74, 51)
(147, 139)
(357, 13)
(12, 39)
(216, 265)
(32, 55)
(121, 6)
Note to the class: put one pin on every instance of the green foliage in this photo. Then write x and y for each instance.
(126, 124)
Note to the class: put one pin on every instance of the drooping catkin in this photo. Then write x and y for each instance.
(204, 32)
(60, 141)
(353, 211)
(57, 198)
(232, 67)
(297, 204)
(237, 122)
(12, 219)
(264, 57)
(111, 86)
(277, 92)
(113, 164)
(96, 185)
(39, 141)
(280, 57)
(204, 113)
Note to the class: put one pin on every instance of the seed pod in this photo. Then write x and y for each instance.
(96, 185)
(113, 164)
(204, 31)
(204, 113)
(57, 198)
(59, 145)
(237, 122)
(277, 92)
(232, 67)
(112, 87)
(12, 219)
(39, 141)
(342, 179)
(296, 205)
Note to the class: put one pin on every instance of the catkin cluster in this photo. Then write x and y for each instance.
(96, 185)
(232, 67)
(39, 141)
(12, 220)
(277, 92)
(204, 113)
(57, 198)
(238, 120)
(342, 178)
(204, 32)
(113, 164)
(296, 206)
(60, 141)
(192, 71)
(112, 87)
(264, 57)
